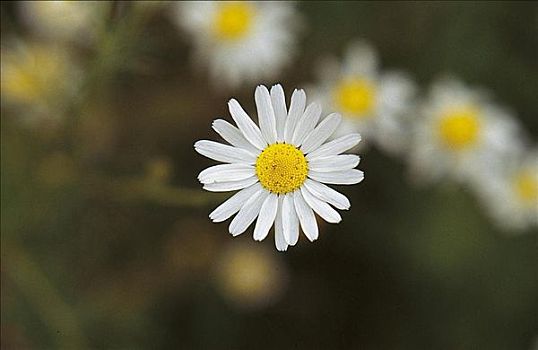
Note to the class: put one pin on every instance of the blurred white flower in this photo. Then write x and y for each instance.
(511, 195)
(461, 135)
(37, 79)
(64, 20)
(242, 42)
(373, 103)
(280, 167)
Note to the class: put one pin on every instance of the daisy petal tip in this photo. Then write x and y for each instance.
(277, 86)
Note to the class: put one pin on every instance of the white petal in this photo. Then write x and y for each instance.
(266, 217)
(290, 221)
(307, 123)
(232, 135)
(279, 106)
(335, 147)
(226, 173)
(224, 153)
(327, 194)
(306, 217)
(230, 185)
(321, 208)
(266, 114)
(280, 241)
(298, 102)
(321, 133)
(334, 163)
(249, 129)
(248, 213)
(234, 203)
(343, 177)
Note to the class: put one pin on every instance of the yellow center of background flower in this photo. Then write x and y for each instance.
(355, 96)
(233, 20)
(526, 187)
(459, 129)
(281, 168)
(33, 76)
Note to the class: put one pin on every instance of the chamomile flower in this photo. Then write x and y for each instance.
(237, 38)
(37, 79)
(64, 20)
(460, 134)
(374, 103)
(511, 194)
(280, 167)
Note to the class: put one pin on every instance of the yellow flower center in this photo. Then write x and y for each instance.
(281, 168)
(233, 20)
(459, 128)
(355, 96)
(526, 187)
(32, 76)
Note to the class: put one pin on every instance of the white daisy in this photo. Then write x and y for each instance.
(64, 20)
(36, 81)
(279, 167)
(460, 134)
(511, 194)
(373, 103)
(237, 38)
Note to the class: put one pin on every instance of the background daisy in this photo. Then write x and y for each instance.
(37, 79)
(241, 42)
(64, 20)
(460, 134)
(510, 195)
(374, 103)
(280, 167)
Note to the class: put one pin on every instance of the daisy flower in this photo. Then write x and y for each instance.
(63, 20)
(373, 103)
(237, 38)
(460, 134)
(36, 80)
(511, 195)
(280, 167)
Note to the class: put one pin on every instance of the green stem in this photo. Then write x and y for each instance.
(144, 189)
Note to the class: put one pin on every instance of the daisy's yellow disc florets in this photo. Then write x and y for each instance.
(526, 187)
(281, 168)
(233, 20)
(355, 96)
(459, 129)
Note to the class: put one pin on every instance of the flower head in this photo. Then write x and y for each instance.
(280, 167)
(373, 103)
(64, 20)
(460, 134)
(36, 79)
(511, 194)
(235, 38)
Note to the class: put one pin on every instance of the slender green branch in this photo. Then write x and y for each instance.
(144, 189)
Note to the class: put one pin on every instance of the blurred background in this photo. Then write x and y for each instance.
(105, 239)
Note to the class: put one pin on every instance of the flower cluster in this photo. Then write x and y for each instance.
(453, 133)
